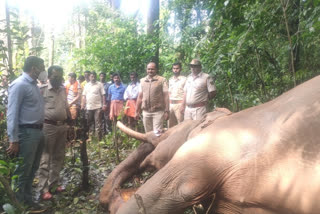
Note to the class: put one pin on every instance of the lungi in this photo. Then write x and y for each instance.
(116, 107)
(130, 109)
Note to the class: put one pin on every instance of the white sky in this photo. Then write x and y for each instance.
(55, 13)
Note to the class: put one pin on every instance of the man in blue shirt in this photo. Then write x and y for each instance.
(115, 94)
(24, 120)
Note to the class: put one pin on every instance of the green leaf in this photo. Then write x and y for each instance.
(9, 209)
(75, 200)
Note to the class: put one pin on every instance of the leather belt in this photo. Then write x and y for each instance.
(176, 101)
(197, 105)
(55, 123)
(31, 126)
(132, 99)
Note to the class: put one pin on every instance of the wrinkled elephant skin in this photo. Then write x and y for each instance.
(263, 160)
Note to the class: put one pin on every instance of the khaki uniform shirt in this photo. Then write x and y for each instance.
(197, 88)
(153, 93)
(176, 86)
(56, 103)
(94, 95)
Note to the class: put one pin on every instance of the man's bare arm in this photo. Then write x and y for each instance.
(138, 105)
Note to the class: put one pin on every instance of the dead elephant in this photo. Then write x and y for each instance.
(152, 154)
(263, 160)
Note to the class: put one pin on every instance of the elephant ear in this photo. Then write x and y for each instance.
(132, 133)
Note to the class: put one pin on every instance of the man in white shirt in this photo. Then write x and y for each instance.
(93, 99)
(176, 85)
(131, 95)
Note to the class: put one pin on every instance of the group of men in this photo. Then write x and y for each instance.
(185, 98)
(38, 115)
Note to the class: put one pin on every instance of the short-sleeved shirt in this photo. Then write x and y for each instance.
(197, 88)
(71, 95)
(116, 92)
(176, 86)
(55, 102)
(94, 95)
(132, 91)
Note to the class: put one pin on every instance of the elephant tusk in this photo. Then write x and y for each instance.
(131, 133)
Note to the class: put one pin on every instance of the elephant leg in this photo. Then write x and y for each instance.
(123, 172)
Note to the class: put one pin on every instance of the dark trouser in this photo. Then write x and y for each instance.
(31, 142)
(94, 122)
(106, 123)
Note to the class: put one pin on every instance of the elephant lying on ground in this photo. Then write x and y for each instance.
(152, 154)
(263, 160)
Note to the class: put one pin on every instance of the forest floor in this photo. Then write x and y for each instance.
(102, 160)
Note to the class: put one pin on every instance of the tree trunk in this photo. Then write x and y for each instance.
(153, 25)
(52, 50)
(10, 70)
(284, 5)
(79, 29)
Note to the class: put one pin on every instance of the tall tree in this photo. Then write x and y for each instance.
(153, 25)
(10, 70)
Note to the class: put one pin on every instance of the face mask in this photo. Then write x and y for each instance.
(43, 76)
(56, 83)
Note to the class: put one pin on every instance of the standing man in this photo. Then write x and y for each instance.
(25, 120)
(153, 100)
(73, 90)
(115, 94)
(106, 123)
(93, 99)
(176, 85)
(131, 95)
(55, 131)
(198, 90)
(87, 79)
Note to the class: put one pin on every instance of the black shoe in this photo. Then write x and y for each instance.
(36, 208)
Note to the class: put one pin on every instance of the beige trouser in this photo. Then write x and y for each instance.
(194, 113)
(153, 121)
(175, 116)
(52, 157)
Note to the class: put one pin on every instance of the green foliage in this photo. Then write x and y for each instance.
(245, 46)
(113, 43)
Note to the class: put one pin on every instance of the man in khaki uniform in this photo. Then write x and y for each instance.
(153, 99)
(198, 90)
(55, 131)
(176, 85)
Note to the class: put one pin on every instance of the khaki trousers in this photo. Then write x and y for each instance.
(194, 113)
(175, 115)
(153, 121)
(52, 157)
(94, 122)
